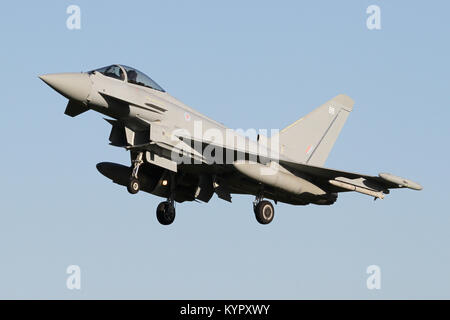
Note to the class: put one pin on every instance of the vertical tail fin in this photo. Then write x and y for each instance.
(311, 138)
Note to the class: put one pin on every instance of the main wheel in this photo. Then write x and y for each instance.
(165, 213)
(133, 186)
(264, 212)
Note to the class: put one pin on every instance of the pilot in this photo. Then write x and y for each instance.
(132, 76)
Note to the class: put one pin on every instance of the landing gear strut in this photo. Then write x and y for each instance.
(263, 209)
(134, 185)
(165, 212)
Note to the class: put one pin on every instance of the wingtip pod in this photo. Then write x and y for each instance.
(402, 182)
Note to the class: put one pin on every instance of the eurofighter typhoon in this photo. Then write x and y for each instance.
(181, 155)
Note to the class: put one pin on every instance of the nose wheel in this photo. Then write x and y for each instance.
(134, 185)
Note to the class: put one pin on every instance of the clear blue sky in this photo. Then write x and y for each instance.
(248, 64)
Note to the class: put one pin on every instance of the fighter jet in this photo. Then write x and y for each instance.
(179, 154)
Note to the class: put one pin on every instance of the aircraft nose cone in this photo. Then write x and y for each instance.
(74, 86)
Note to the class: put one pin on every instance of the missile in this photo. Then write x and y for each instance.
(351, 187)
(401, 182)
(277, 177)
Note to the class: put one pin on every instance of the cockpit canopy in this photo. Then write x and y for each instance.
(131, 75)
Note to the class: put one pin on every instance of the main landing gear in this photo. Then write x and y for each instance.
(264, 211)
(165, 212)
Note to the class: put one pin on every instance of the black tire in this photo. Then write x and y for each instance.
(165, 213)
(133, 186)
(264, 212)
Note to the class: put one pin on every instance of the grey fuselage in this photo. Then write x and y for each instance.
(187, 156)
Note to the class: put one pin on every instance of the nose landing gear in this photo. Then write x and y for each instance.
(134, 186)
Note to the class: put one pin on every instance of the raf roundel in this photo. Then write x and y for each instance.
(309, 149)
(187, 116)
